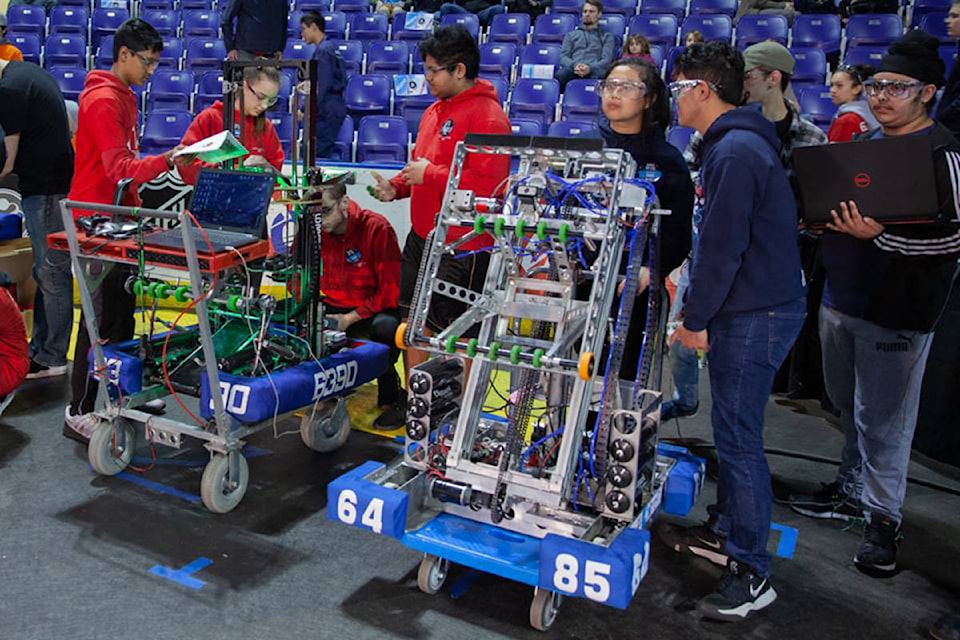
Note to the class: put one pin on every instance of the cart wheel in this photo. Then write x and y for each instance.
(543, 609)
(585, 365)
(326, 428)
(432, 574)
(400, 336)
(111, 447)
(220, 492)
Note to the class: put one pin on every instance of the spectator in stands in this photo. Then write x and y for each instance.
(636, 114)
(816, 6)
(637, 47)
(465, 104)
(886, 290)
(483, 9)
(746, 305)
(948, 110)
(765, 7)
(106, 155)
(853, 116)
(361, 282)
(331, 81)
(853, 7)
(532, 8)
(7, 51)
(261, 30)
(390, 7)
(14, 359)
(39, 152)
(588, 50)
(693, 37)
(260, 87)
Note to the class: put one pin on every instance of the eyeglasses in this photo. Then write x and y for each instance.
(432, 71)
(262, 97)
(149, 63)
(623, 88)
(321, 209)
(896, 89)
(680, 86)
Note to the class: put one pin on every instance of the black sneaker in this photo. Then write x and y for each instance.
(946, 628)
(741, 593)
(671, 409)
(830, 502)
(393, 417)
(699, 541)
(38, 370)
(877, 556)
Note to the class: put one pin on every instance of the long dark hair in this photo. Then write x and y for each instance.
(657, 113)
(251, 75)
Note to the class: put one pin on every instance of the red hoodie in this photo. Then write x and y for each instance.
(210, 122)
(444, 124)
(14, 360)
(107, 145)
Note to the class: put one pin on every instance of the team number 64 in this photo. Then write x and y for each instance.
(347, 511)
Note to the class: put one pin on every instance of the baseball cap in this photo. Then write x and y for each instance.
(769, 55)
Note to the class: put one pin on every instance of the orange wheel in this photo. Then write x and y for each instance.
(585, 367)
(400, 335)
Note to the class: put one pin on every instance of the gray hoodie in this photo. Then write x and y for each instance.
(862, 109)
(592, 47)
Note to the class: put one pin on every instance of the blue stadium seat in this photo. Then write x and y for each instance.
(679, 137)
(864, 55)
(351, 6)
(948, 53)
(922, 8)
(70, 80)
(23, 18)
(657, 51)
(196, 5)
(672, 54)
(368, 95)
(298, 50)
(500, 83)
(283, 124)
(712, 26)
(163, 130)
(497, 57)
(552, 27)
(752, 29)
(200, 23)
(676, 8)
(524, 127)
(622, 7)
(386, 56)
(368, 26)
(156, 5)
(541, 53)
(67, 19)
(400, 31)
(382, 139)
(574, 7)
(818, 30)
(615, 24)
(209, 89)
(574, 129)
(205, 54)
(468, 21)
(658, 28)
(104, 22)
(343, 147)
(811, 64)
(725, 7)
(320, 6)
(170, 89)
(873, 29)
(64, 50)
(581, 100)
(509, 27)
(170, 56)
(103, 54)
(815, 103)
(416, 59)
(535, 99)
(352, 53)
(335, 25)
(166, 21)
(411, 109)
(293, 23)
(935, 24)
(288, 79)
(29, 45)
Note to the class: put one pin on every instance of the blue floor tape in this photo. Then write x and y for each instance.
(184, 575)
(788, 540)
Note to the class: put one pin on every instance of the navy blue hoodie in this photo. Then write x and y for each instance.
(747, 258)
(261, 26)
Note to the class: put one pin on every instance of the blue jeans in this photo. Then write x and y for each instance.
(53, 305)
(685, 367)
(486, 15)
(746, 349)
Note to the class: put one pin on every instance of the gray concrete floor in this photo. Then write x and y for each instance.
(76, 552)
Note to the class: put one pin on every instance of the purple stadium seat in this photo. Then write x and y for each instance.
(166, 21)
(400, 31)
(352, 53)
(29, 45)
(70, 80)
(368, 26)
(293, 23)
(567, 6)
(170, 89)
(811, 64)
(156, 5)
(368, 95)
(658, 28)
(818, 30)
(679, 137)
(581, 100)
(163, 130)
(864, 55)
(752, 29)
(103, 54)
(622, 7)
(320, 6)
(196, 5)
(615, 24)
(468, 21)
(500, 83)
(948, 53)
(712, 26)
(385, 56)
(672, 56)
(935, 24)
(524, 127)
(104, 22)
(411, 109)
(873, 29)
(209, 89)
(201, 23)
(535, 99)
(298, 50)
(67, 19)
(335, 25)
(65, 50)
(382, 139)
(922, 8)
(541, 53)
(170, 56)
(573, 129)
(552, 27)
(509, 27)
(351, 6)
(815, 103)
(677, 8)
(343, 147)
(283, 124)
(725, 7)
(205, 54)
(497, 57)
(23, 18)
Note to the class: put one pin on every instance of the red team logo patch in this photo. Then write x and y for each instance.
(862, 180)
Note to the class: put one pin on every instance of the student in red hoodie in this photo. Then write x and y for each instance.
(464, 105)
(14, 360)
(108, 152)
(260, 88)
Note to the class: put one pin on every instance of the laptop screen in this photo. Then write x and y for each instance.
(232, 199)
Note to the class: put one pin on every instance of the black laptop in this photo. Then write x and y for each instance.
(890, 179)
(231, 206)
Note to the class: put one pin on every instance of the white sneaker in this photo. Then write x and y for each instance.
(38, 371)
(6, 400)
(83, 425)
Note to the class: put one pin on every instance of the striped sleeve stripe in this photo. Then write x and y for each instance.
(909, 246)
(953, 164)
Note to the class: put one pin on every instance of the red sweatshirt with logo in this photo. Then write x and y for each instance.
(361, 268)
(210, 122)
(14, 359)
(443, 125)
(107, 148)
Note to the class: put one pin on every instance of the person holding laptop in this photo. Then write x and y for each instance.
(886, 289)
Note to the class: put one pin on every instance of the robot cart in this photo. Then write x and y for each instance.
(558, 492)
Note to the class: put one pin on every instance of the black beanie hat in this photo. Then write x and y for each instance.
(915, 55)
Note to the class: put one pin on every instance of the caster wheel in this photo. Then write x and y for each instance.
(432, 574)
(326, 427)
(221, 493)
(585, 365)
(399, 337)
(111, 447)
(543, 609)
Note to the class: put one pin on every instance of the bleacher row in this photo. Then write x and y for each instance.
(375, 49)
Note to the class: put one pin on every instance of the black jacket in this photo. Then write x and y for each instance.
(261, 25)
(948, 111)
(901, 279)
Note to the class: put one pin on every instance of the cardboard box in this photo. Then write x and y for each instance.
(16, 260)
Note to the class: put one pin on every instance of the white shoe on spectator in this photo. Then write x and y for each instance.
(79, 428)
